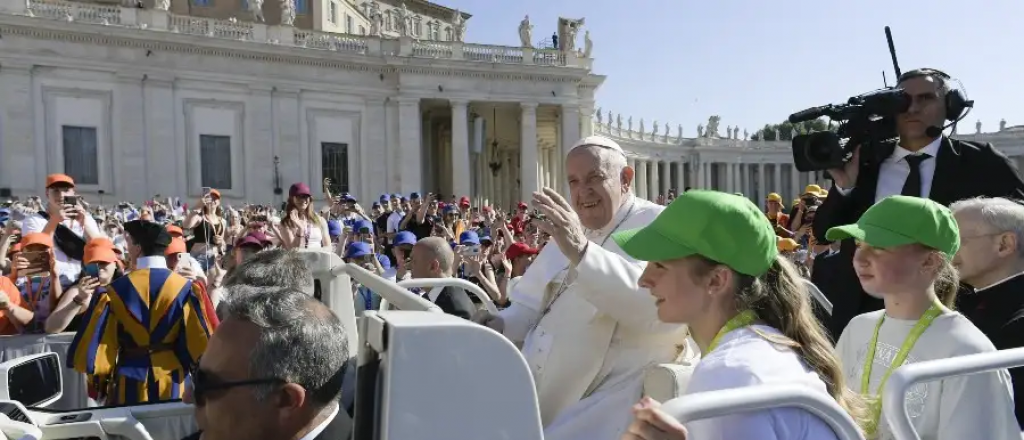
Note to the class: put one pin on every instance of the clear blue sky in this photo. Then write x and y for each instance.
(756, 61)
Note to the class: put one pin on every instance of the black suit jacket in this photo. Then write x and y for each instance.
(455, 301)
(339, 429)
(962, 170)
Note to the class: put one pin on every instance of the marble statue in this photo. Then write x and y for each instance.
(778, 134)
(618, 121)
(655, 130)
(679, 131)
(712, 130)
(458, 26)
(570, 29)
(376, 18)
(588, 45)
(629, 124)
(598, 114)
(287, 12)
(641, 128)
(610, 118)
(728, 132)
(256, 8)
(525, 32)
(666, 132)
(746, 135)
(977, 127)
(700, 130)
(1002, 125)
(162, 5)
(402, 20)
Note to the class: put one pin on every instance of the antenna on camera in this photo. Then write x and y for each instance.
(885, 82)
(892, 51)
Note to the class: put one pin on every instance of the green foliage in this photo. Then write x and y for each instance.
(785, 129)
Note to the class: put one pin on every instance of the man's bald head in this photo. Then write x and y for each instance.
(432, 257)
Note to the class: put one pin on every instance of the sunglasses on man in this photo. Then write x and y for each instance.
(203, 383)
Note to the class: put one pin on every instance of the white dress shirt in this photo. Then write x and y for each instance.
(893, 172)
(322, 426)
(68, 268)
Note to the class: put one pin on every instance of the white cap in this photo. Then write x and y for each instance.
(598, 141)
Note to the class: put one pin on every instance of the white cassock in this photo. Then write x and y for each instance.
(588, 353)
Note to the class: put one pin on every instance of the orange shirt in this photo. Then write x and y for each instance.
(8, 288)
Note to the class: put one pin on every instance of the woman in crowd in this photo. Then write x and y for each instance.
(714, 265)
(301, 227)
(36, 276)
(100, 269)
(208, 228)
(904, 257)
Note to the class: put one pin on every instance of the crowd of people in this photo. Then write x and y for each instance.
(594, 286)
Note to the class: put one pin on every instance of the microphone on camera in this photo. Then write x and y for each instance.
(933, 131)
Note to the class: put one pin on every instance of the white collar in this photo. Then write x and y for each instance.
(932, 149)
(151, 262)
(979, 289)
(322, 426)
(620, 215)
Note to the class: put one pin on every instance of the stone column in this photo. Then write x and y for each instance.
(655, 180)
(666, 183)
(586, 121)
(570, 134)
(462, 184)
(641, 178)
(375, 166)
(794, 180)
(166, 173)
(762, 191)
(777, 180)
(528, 156)
(730, 177)
(410, 144)
(632, 164)
(130, 141)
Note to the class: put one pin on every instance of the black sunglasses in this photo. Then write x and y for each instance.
(203, 384)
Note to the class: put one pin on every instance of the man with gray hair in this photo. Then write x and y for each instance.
(273, 369)
(587, 330)
(273, 268)
(991, 260)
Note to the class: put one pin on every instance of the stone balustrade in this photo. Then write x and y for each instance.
(163, 21)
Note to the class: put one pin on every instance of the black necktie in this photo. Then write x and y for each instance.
(912, 187)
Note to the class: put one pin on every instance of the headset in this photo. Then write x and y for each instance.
(956, 100)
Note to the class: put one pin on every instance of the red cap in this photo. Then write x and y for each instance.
(522, 205)
(54, 179)
(464, 201)
(299, 189)
(519, 249)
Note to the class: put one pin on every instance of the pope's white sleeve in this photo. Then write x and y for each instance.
(609, 282)
(519, 319)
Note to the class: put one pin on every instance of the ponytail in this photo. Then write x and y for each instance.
(781, 301)
(947, 284)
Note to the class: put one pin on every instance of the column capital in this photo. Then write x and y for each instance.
(408, 100)
(528, 106)
(458, 102)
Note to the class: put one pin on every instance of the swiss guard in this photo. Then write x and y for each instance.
(149, 330)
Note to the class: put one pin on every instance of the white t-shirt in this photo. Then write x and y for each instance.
(743, 359)
(68, 269)
(978, 406)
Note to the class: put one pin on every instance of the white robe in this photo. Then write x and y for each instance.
(588, 354)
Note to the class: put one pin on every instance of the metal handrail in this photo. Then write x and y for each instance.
(818, 295)
(894, 395)
(388, 291)
(699, 406)
(452, 282)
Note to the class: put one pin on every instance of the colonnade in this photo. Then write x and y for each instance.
(655, 177)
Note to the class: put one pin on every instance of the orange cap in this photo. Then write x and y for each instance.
(36, 238)
(177, 246)
(100, 241)
(214, 193)
(99, 253)
(788, 244)
(54, 179)
(175, 231)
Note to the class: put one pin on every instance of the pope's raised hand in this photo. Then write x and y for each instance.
(561, 223)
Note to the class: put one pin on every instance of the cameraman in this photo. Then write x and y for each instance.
(924, 164)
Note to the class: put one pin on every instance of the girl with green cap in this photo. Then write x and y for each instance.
(904, 254)
(714, 265)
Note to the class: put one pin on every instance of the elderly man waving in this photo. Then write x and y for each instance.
(587, 330)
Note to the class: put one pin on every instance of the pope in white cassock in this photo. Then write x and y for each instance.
(587, 330)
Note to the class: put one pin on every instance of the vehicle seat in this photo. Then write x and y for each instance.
(664, 382)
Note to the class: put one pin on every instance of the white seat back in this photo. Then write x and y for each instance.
(440, 283)
(335, 287)
(739, 400)
(9, 429)
(894, 395)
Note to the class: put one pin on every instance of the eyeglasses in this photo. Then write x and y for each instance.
(202, 384)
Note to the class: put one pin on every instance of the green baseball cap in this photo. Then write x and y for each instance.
(901, 220)
(722, 227)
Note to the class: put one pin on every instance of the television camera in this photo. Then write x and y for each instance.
(867, 120)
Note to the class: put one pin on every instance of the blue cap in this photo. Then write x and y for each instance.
(334, 228)
(451, 209)
(405, 237)
(348, 197)
(397, 196)
(414, 195)
(362, 224)
(358, 249)
(486, 238)
(469, 237)
(383, 198)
